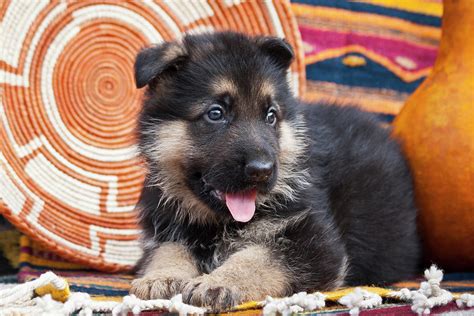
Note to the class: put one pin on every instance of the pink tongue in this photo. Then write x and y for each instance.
(241, 205)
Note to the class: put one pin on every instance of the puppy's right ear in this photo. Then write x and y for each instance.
(152, 62)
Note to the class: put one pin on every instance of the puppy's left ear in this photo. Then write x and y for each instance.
(156, 61)
(278, 49)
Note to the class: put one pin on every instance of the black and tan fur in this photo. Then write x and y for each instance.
(337, 208)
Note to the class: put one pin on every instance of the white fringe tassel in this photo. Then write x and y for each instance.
(466, 300)
(429, 295)
(360, 299)
(175, 305)
(297, 303)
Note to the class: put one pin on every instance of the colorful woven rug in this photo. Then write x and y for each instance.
(372, 53)
(35, 260)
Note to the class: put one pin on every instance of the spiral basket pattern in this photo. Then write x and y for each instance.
(69, 176)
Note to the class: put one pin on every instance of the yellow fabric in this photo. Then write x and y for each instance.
(107, 298)
(37, 261)
(354, 61)
(58, 295)
(9, 246)
(417, 6)
(335, 295)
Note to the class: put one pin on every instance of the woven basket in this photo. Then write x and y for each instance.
(69, 177)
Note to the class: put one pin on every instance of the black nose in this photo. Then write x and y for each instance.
(259, 170)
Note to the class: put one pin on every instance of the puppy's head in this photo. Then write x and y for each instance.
(219, 128)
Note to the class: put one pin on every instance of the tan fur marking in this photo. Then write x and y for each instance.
(291, 146)
(293, 143)
(167, 272)
(174, 141)
(173, 51)
(172, 148)
(224, 85)
(267, 89)
(249, 274)
(172, 259)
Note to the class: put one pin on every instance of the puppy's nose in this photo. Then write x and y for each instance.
(259, 170)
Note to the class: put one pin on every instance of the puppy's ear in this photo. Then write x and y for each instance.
(278, 49)
(152, 62)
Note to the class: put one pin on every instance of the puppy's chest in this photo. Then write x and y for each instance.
(213, 251)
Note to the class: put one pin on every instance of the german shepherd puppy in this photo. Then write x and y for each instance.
(250, 192)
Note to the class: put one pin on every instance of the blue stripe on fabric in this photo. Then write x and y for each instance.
(458, 289)
(372, 75)
(9, 278)
(97, 291)
(459, 276)
(371, 8)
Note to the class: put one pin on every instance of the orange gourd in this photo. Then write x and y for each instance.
(436, 127)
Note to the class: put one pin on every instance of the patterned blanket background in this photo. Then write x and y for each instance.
(371, 53)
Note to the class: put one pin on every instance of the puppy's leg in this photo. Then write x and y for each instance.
(170, 266)
(248, 274)
(306, 255)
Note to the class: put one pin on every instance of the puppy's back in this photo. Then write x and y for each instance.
(370, 191)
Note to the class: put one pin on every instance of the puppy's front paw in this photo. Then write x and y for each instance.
(205, 291)
(147, 288)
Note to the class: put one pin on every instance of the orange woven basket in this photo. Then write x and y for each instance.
(69, 176)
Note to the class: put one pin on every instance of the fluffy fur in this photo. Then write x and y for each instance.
(335, 209)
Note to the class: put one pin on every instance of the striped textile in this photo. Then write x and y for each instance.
(371, 53)
(453, 282)
(9, 248)
(35, 260)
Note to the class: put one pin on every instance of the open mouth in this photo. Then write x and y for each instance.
(241, 205)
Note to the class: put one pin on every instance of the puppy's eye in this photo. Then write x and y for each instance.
(271, 118)
(215, 114)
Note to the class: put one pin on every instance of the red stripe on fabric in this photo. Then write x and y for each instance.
(321, 40)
